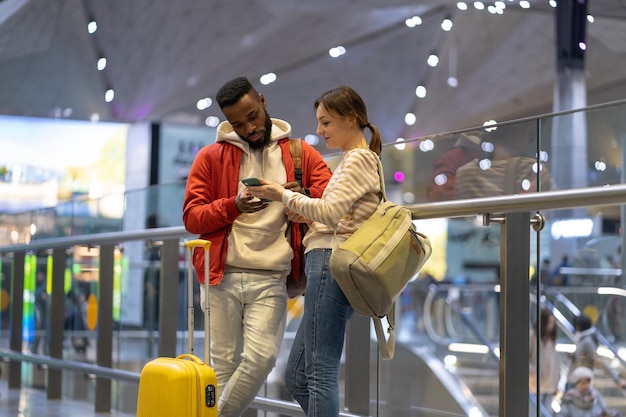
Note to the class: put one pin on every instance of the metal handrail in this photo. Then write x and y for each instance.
(97, 239)
(548, 200)
(545, 200)
(70, 365)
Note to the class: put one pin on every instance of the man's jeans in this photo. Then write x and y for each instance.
(248, 314)
(312, 373)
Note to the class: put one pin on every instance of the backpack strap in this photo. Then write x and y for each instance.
(386, 347)
(295, 147)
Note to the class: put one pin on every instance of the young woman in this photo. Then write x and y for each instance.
(550, 362)
(351, 196)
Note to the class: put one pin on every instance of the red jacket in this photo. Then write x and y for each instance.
(209, 207)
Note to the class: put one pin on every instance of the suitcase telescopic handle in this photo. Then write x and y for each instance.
(206, 309)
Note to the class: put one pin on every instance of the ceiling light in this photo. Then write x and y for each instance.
(92, 26)
(204, 103)
(413, 21)
(433, 60)
(212, 121)
(109, 95)
(427, 145)
(312, 140)
(337, 51)
(600, 165)
(479, 5)
(489, 123)
(102, 64)
(453, 82)
(484, 164)
(552, 3)
(446, 25)
(487, 146)
(461, 5)
(410, 119)
(524, 4)
(420, 91)
(590, 18)
(268, 78)
(400, 144)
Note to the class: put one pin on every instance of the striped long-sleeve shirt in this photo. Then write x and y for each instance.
(351, 196)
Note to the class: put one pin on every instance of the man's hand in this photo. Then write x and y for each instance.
(248, 204)
(294, 186)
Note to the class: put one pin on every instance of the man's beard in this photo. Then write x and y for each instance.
(266, 137)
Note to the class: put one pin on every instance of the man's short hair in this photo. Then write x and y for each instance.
(231, 92)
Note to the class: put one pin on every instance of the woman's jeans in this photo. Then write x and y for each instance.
(312, 373)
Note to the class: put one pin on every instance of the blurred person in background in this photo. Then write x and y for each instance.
(586, 353)
(543, 355)
(583, 400)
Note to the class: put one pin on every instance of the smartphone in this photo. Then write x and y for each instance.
(251, 181)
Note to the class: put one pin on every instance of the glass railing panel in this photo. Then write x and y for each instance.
(460, 323)
(15, 228)
(581, 273)
(585, 148)
(6, 271)
(490, 161)
(155, 206)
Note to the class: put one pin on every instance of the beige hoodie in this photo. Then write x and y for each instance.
(259, 241)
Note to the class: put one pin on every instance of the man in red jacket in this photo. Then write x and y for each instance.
(254, 245)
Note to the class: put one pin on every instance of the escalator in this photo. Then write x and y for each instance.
(452, 344)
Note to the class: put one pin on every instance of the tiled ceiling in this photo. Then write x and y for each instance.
(163, 56)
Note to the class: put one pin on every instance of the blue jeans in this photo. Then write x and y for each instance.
(312, 372)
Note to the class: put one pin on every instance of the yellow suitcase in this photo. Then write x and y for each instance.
(184, 386)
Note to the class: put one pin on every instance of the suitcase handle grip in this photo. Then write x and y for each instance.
(191, 357)
(198, 243)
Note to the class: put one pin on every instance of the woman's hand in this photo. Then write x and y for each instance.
(269, 190)
(296, 218)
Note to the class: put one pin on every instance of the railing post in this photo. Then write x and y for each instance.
(105, 326)
(168, 284)
(17, 312)
(357, 379)
(514, 311)
(57, 316)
